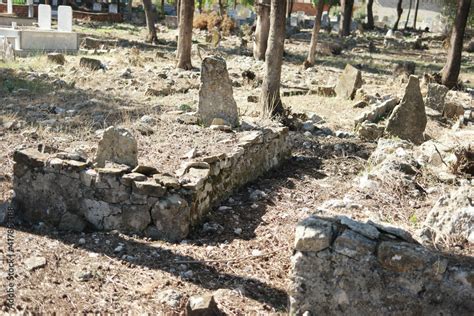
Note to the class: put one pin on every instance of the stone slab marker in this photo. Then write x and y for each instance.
(349, 81)
(44, 17)
(408, 119)
(64, 18)
(216, 98)
(117, 145)
(435, 96)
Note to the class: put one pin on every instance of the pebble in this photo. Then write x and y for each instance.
(82, 241)
(238, 231)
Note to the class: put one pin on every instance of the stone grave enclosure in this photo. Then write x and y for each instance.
(345, 267)
(70, 193)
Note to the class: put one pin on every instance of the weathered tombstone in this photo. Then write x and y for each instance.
(113, 8)
(216, 98)
(44, 17)
(435, 96)
(408, 119)
(117, 145)
(10, 6)
(97, 7)
(64, 18)
(349, 81)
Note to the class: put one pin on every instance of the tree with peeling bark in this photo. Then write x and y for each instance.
(399, 14)
(185, 34)
(271, 101)
(450, 72)
(150, 22)
(347, 7)
(309, 62)
(262, 8)
(370, 15)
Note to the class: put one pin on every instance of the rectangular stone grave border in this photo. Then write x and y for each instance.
(73, 195)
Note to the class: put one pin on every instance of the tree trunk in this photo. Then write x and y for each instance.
(271, 102)
(262, 29)
(417, 4)
(185, 34)
(129, 9)
(221, 8)
(408, 14)
(370, 15)
(289, 9)
(346, 18)
(163, 8)
(200, 6)
(453, 64)
(314, 36)
(178, 9)
(399, 15)
(150, 22)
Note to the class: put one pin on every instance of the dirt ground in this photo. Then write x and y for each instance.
(241, 252)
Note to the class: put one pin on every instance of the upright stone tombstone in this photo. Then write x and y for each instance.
(97, 7)
(44, 17)
(113, 8)
(64, 18)
(408, 119)
(349, 81)
(216, 98)
(117, 145)
(10, 6)
(435, 96)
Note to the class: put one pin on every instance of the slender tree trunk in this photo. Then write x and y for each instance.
(262, 29)
(453, 64)
(314, 36)
(221, 8)
(399, 14)
(178, 9)
(408, 14)
(370, 15)
(185, 34)
(417, 4)
(271, 102)
(200, 6)
(289, 8)
(163, 8)
(129, 9)
(150, 22)
(346, 18)
(235, 4)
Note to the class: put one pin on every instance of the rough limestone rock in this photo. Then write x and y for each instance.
(57, 58)
(452, 215)
(408, 119)
(349, 81)
(90, 63)
(435, 96)
(216, 98)
(357, 275)
(453, 110)
(117, 145)
(370, 131)
(202, 305)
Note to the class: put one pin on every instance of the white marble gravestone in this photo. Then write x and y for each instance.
(64, 18)
(44, 17)
(10, 6)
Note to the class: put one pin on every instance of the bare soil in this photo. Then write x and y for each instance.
(240, 253)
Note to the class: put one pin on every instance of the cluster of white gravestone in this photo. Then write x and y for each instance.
(64, 18)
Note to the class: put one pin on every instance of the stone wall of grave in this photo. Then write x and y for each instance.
(72, 195)
(344, 267)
